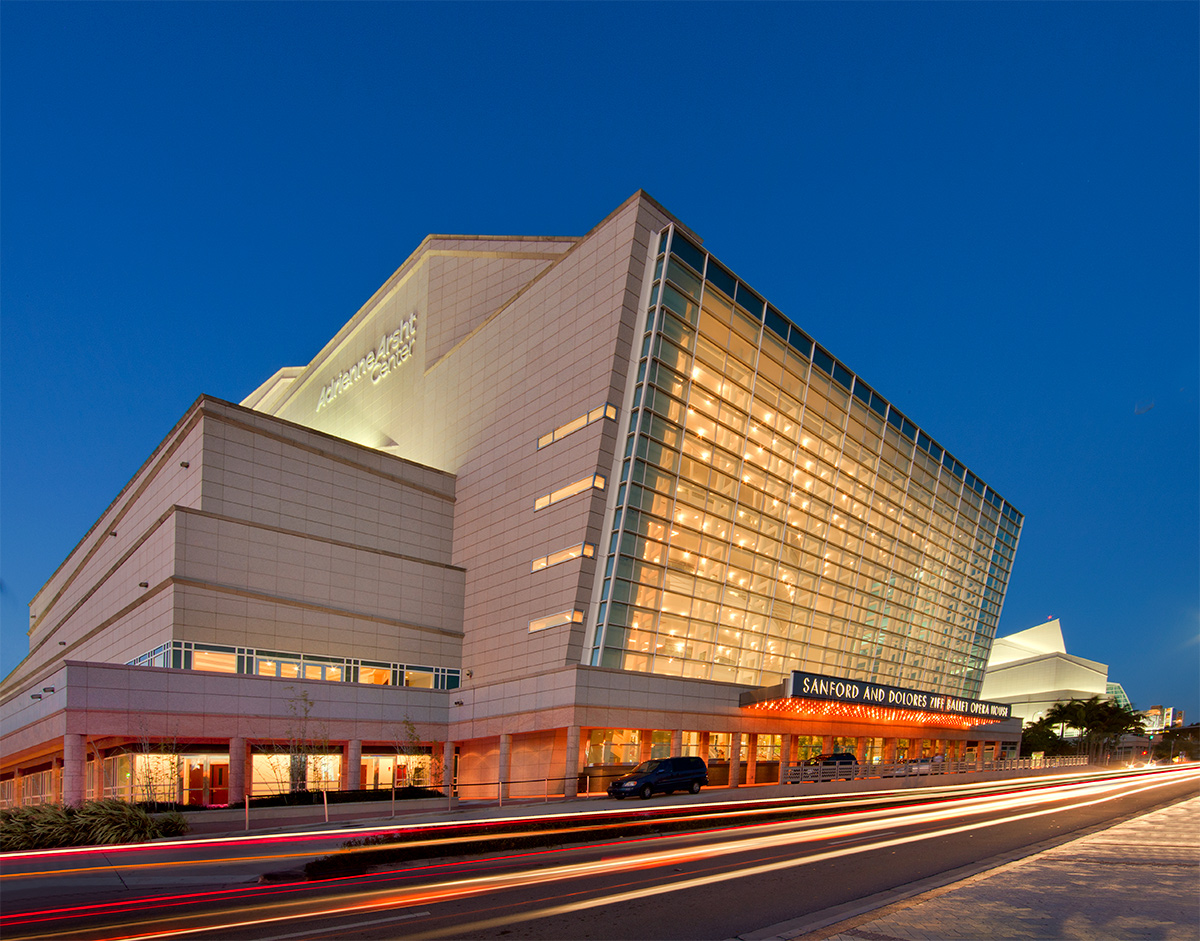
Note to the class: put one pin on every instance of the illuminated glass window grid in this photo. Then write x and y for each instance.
(678, 331)
(188, 655)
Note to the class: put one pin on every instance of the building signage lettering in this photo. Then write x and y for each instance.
(393, 350)
(813, 686)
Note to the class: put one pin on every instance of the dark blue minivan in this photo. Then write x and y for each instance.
(661, 775)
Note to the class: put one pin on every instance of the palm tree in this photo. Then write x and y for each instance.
(1099, 722)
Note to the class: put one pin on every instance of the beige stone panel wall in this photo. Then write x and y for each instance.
(33, 727)
(131, 701)
(465, 290)
(359, 413)
(326, 489)
(478, 769)
(238, 618)
(229, 555)
(102, 561)
(560, 347)
(558, 351)
(537, 762)
(544, 700)
(117, 619)
(240, 464)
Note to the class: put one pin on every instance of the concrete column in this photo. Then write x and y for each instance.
(705, 745)
(677, 742)
(571, 765)
(74, 768)
(735, 759)
(239, 780)
(644, 744)
(826, 744)
(979, 756)
(860, 750)
(787, 755)
(448, 767)
(18, 788)
(352, 770)
(505, 764)
(752, 758)
(889, 751)
(997, 751)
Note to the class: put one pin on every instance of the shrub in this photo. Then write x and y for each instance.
(172, 824)
(45, 826)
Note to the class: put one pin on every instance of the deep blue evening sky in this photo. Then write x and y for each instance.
(988, 210)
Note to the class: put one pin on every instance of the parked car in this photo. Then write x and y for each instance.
(661, 775)
(913, 766)
(826, 767)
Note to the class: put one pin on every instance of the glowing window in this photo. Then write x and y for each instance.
(214, 661)
(379, 676)
(555, 620)
(601, 411)
(585, 549)
(596, 480)
(416, 676)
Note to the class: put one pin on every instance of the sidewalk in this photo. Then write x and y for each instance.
(1138, 879)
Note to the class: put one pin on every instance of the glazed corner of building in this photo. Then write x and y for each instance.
(480, 504)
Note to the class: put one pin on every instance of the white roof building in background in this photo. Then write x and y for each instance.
(1031, 670)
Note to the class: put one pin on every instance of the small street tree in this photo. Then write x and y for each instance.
(1041, 737)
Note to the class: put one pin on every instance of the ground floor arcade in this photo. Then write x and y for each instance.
(145, 733)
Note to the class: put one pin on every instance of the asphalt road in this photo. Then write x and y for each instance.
(742, 874)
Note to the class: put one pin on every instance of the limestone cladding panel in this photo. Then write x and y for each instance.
(243, 465)
(122, 549)
(358, 412)
(551, 356)
(319, 492)
(1040, 675)
(112, 700)
(119, 619)
(207, 615)
(536, 763)
(25, 723)
(231, 556)
(465, 290)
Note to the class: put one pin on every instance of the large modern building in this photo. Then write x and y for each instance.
(1031, 671)
(542, 507)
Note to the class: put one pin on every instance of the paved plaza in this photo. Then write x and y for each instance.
(1137, 880)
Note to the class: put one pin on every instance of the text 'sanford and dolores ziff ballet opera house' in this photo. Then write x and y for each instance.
(543, 506)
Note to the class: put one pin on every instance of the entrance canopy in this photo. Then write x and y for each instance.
(812, 696)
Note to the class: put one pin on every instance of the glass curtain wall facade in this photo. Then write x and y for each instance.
(775, 513)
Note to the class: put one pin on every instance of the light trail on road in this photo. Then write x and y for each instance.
(871, 829)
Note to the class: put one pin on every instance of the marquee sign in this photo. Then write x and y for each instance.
(392, 351)
(839, 689)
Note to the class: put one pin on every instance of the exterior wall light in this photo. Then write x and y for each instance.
(458, 702)
(47, 689)
(113, 533)
(143, 584)
(35, 695)
(184, 464)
